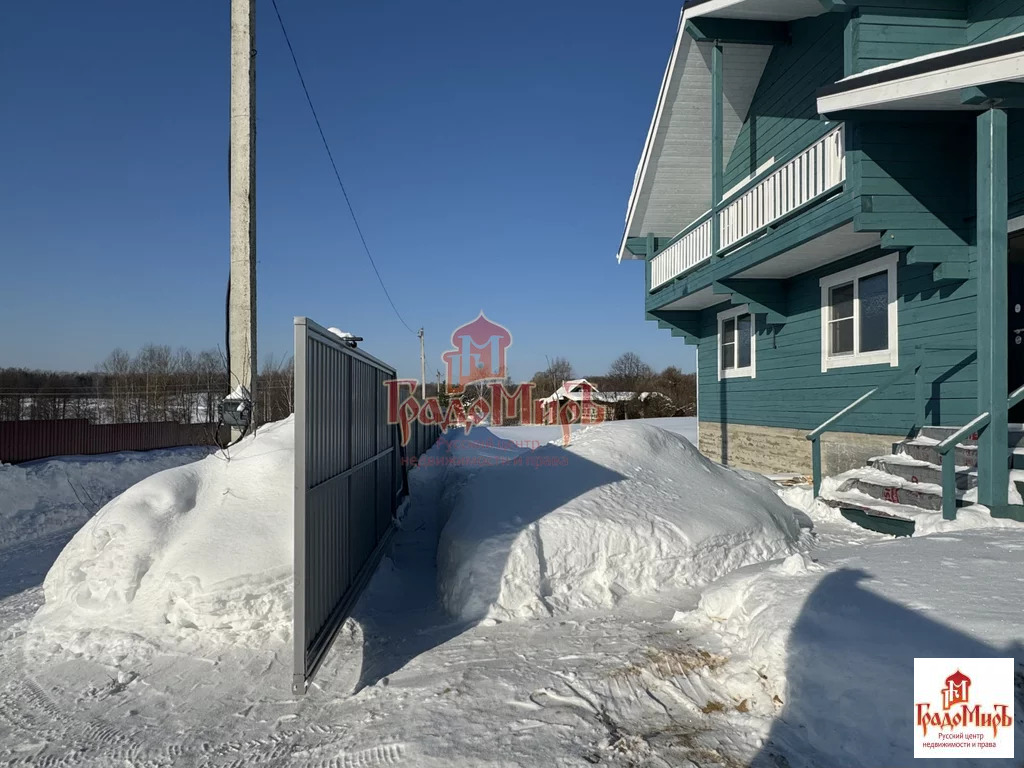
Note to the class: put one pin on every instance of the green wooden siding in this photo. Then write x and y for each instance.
(790, 389)
(894, 32)
(991, 19)
(915, 180)
(1015, 157)
(783, 117)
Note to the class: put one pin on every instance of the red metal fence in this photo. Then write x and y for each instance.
(28, 440)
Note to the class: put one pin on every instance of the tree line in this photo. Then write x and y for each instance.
(154, 384)
(157, 383)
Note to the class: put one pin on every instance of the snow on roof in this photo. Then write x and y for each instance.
(577, 389)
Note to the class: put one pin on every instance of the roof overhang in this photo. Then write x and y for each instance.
(755, 10)
(672, 184)
(958, 79)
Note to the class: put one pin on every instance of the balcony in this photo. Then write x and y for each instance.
(747, 212)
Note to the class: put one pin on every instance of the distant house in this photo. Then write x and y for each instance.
(614, 403)
(830, 207)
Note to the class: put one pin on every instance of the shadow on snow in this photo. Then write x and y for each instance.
(846, 641)
(400, 612)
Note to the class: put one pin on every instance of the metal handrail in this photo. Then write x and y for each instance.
(915, 368)
(976, 425)
(945, 450)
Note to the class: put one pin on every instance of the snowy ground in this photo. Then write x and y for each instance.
(745, 671)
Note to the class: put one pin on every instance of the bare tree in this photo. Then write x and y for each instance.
(632, 375)
(117, 370)
(275, 389)
(680, 388)
(559, 371)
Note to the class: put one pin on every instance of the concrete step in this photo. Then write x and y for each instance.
(939, 434)
(896, 490)
(914, 471)
(924, 450)
(883, 518)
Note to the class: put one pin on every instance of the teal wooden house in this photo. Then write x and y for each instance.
(830, 207)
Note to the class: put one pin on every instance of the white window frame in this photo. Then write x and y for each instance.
(890, 355)
(749, 371)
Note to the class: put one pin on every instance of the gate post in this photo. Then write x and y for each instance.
(299, 493)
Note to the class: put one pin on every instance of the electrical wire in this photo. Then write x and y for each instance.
(337, 174)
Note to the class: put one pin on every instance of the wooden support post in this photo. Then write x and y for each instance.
(816, 465)
(717, 149)
(949, 484)
(649, 255)
(920, 395)
(993, 344)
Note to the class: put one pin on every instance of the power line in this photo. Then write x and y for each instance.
(334, 165)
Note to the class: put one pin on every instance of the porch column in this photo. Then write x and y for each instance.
(993, 330)
(717, 141)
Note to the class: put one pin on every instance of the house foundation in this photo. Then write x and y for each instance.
(779, 450)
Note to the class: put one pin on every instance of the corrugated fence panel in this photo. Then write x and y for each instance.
(30, 440)
(349, 477)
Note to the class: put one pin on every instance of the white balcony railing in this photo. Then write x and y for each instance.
(816, 171)
(686, 252)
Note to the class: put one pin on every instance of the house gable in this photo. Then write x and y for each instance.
(783, 117)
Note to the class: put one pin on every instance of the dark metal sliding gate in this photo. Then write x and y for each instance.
(348, 482)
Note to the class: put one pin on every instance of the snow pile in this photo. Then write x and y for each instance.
(823, 650)
(626, 508)
(43, 497)
(199, 553)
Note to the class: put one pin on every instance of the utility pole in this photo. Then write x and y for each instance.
(423, 369)
(242, 303)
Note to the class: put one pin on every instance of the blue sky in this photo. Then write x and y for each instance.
(489, 150)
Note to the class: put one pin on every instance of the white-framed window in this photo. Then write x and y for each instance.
(858, 315)
(737, 350)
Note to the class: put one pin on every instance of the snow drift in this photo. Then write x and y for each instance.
(38, 498)
(626, 508)
(201, 553)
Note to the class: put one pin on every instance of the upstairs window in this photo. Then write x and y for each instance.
(737, 350)
(858, 316)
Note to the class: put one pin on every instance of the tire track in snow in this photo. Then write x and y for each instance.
(63, 740)
(63, 731)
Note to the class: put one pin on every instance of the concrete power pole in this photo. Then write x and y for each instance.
(423, 369)
(242, 305)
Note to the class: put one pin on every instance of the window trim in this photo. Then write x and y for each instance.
(748, 371)
(890, 354)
